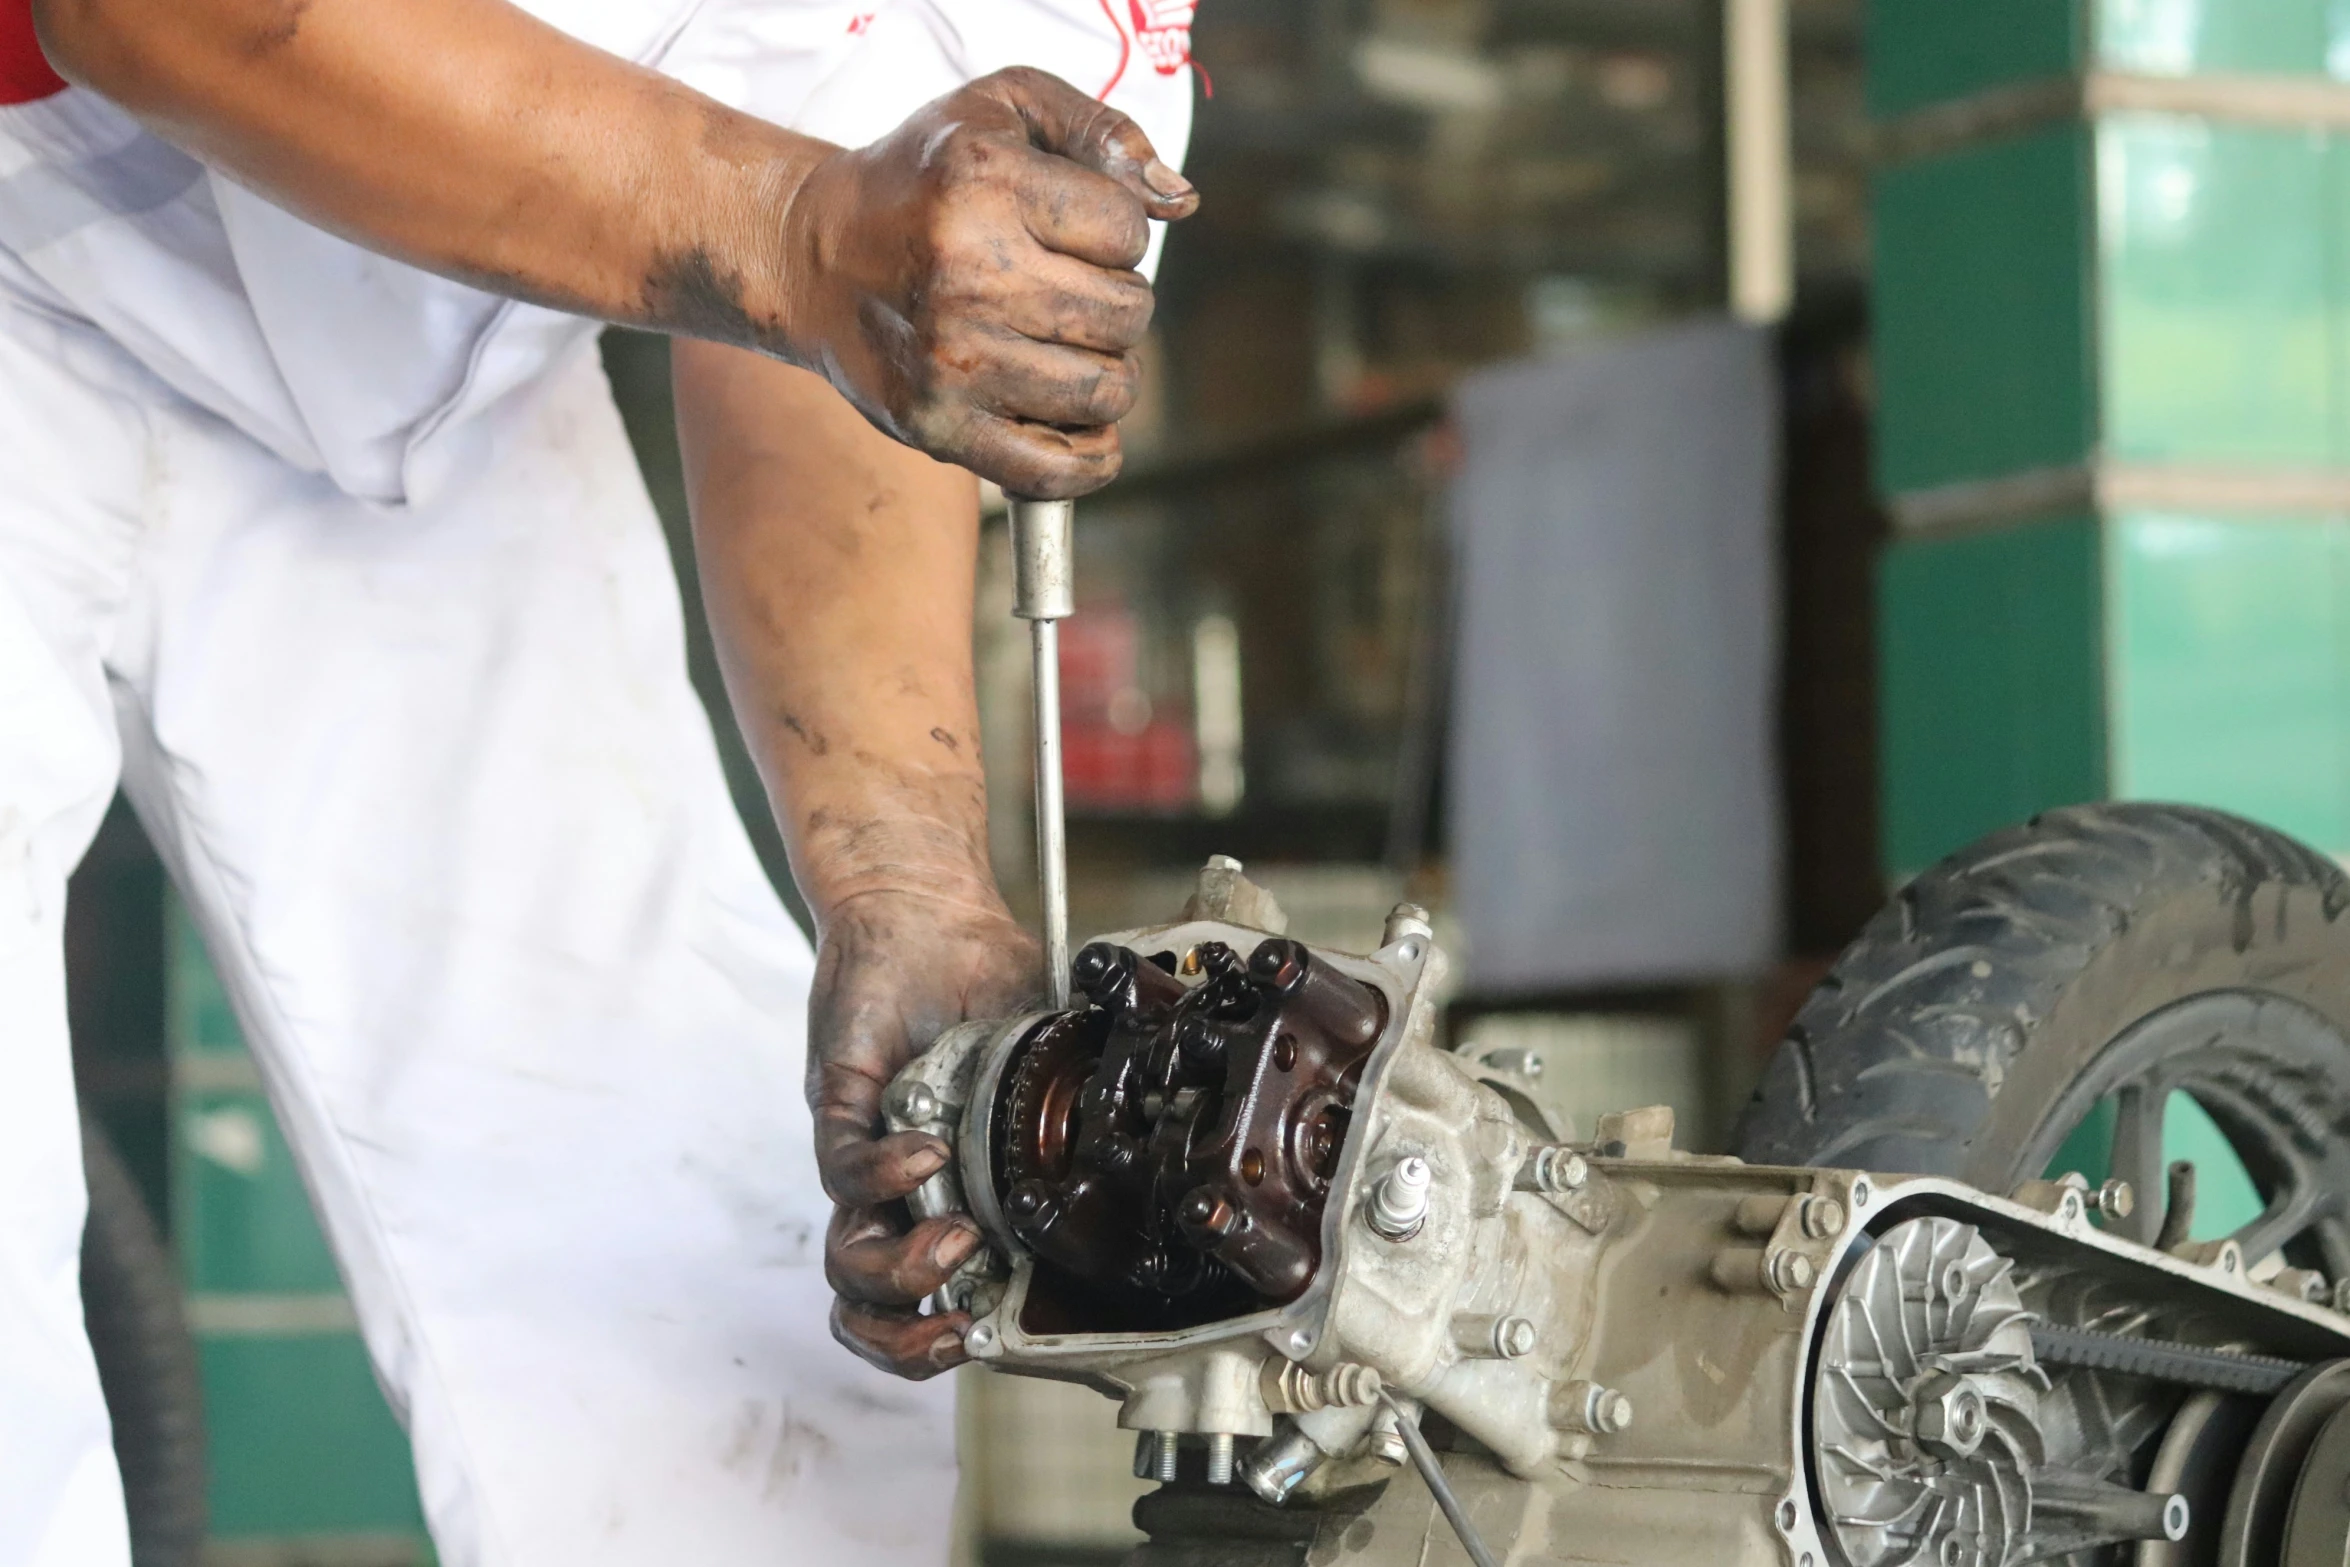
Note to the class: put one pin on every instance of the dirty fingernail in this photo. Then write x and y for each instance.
(926, 1162)
(1165, 180)
(947, 1348)
(954, 1246)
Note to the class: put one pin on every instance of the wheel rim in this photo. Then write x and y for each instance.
(2251, 1087)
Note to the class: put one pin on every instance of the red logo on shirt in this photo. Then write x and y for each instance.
(1163, 28)
(25, 72)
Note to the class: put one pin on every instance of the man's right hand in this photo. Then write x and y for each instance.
(968, 281)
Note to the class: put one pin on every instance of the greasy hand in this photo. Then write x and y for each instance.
(968, 281)
(894, 970)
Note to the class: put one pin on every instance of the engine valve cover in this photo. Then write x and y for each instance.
(1176, 1140)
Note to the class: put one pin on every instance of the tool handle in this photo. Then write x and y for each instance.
(1044, 572)
(1043, 594)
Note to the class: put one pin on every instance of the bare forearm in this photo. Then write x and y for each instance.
(466, 137)
(837, 567)
(966, 281)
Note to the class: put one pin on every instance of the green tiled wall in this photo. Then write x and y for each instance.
(2143, 657)
(1926, 51)
(1990, 679)
(2166, 292)
(2223, 282)
(2229, 645)
(2179, 37)
(303, 1447)
(1982, 314)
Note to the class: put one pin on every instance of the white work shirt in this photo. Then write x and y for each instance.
(373, 372)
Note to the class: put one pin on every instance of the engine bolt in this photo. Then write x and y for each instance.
(1791, 1271)
(1166, 1456)
(1387, 1447)
(1207, 1213)
(1821, 1217)
(1029, 1203)
(2305, 1284)
(1399, 1205)
(1099, 966)
(1514, 1338)
(1219, 1458)
(1587, 1406)
(1405, 921)
(2116, 1200)
(914, 1102)
(1554, 1169)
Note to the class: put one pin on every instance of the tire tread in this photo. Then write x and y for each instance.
(1900, 1049)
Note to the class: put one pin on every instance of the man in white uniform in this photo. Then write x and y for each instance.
(318, 533)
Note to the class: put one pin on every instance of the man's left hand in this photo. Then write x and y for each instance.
(894, 970)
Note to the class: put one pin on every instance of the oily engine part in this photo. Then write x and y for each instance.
(1175, 1140)
(1927, 1401)
(1603, 1348)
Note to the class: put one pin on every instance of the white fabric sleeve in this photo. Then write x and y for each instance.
(851, 71)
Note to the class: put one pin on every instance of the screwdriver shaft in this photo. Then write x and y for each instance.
(1043, 594)
(1052, 839)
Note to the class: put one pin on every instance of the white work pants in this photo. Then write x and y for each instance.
(451, 821)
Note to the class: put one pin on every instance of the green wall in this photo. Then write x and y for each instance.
(2106, 343)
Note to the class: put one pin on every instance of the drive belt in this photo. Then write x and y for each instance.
(2188, 1365)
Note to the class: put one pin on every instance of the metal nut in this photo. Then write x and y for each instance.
(2116, 1200)
(1290, 1389)
(1947, 1413)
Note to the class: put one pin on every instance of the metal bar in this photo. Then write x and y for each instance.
(1044, 594)
(1052, 831)
(1424, 1460)
(1760, 159)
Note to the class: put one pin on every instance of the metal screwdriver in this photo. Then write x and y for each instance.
(1044, 595)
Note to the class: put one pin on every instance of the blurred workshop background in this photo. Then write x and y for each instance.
(1639, 477)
